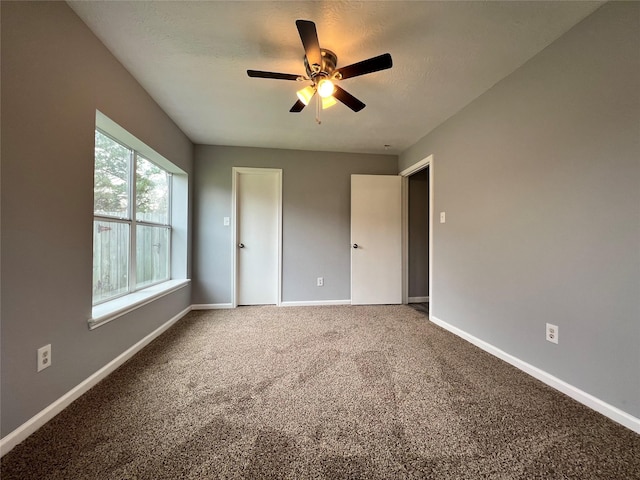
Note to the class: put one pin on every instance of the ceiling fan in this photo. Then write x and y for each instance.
(320, 65)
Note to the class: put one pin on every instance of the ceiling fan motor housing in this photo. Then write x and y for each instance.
(329, 62)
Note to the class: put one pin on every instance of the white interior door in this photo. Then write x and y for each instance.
(258, 236)
(376, 239)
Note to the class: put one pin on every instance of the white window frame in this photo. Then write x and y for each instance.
(133, 222)
(114, 307)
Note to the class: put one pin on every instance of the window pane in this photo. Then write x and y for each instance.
(111, 178)
(152, 255)
(152, 192)
(110, 260)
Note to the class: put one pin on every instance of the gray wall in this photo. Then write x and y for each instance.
(55, 74)
(316, 218)
(419, 234)
(540, 180)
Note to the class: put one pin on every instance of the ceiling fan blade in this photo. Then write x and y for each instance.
(375, 64)
(349, 100)
(276, 76)
(297, 107)
(309, 37)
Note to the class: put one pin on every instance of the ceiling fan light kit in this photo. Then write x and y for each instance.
(328, 102)
(306, 94)
(325, 88)
(320, 66)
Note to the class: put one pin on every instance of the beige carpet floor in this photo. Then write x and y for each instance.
(344, 392)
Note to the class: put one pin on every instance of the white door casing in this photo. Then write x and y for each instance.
(427, 162)
(257, 239)
(376, 229)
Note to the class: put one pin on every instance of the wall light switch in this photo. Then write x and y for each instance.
(226, 221)
(443, 217)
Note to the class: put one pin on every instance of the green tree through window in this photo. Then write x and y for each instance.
(128, 233)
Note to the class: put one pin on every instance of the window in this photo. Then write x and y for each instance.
(140, 224)
(132, 220)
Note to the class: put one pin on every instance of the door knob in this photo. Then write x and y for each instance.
(241, 245)
(355, 245)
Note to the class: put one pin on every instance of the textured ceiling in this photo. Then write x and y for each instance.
(192, 58)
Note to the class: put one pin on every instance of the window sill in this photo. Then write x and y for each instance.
(105, 312)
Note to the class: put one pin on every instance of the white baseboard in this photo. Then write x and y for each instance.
(12, 439)
(211, 306)
(8, 442)
(614, 413)
(309, 303)
(418, 299)
(313, 303)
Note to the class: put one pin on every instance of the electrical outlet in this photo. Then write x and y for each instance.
(44, 357)
(552, 333)
(320, 282)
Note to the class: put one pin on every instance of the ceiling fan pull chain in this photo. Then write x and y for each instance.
(318, 110)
